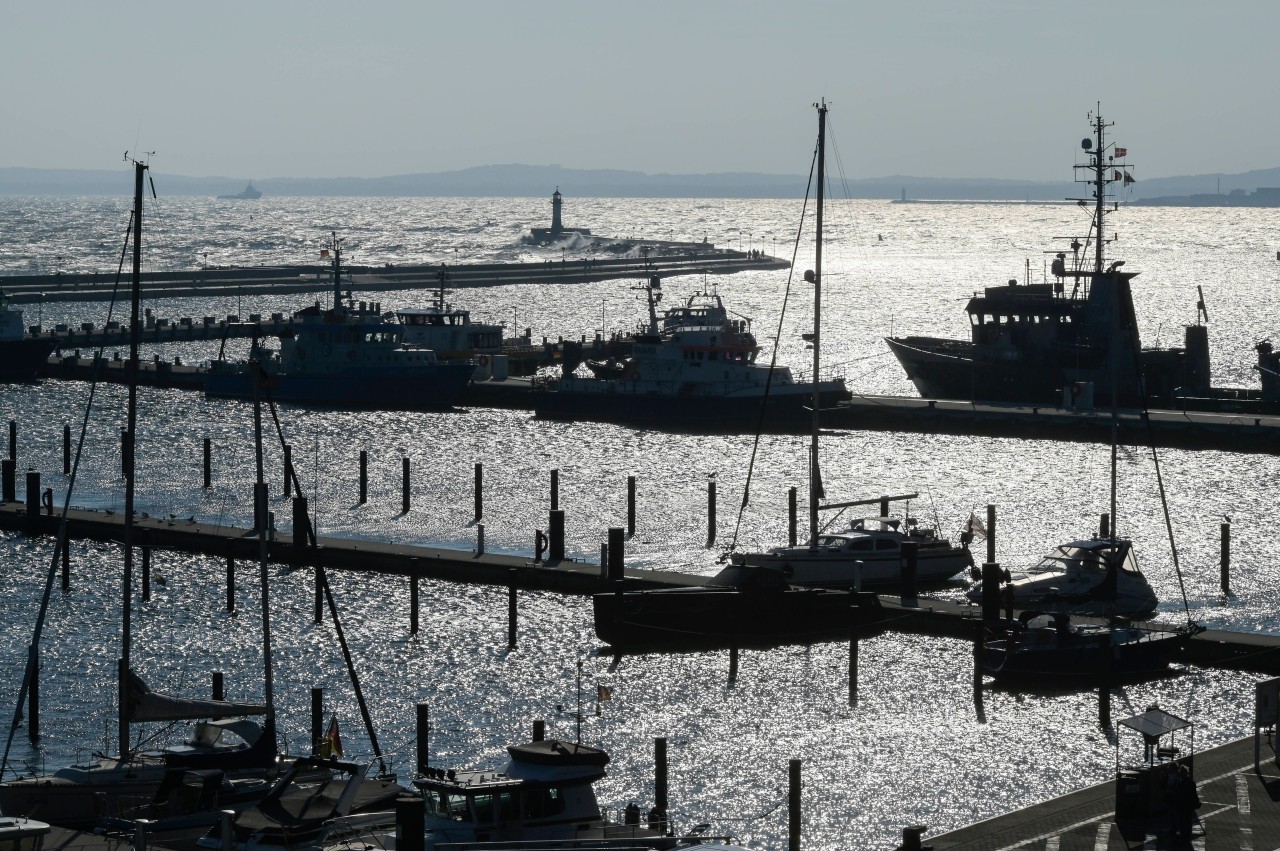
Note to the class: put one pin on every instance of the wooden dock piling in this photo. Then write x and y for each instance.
(991, 533)
(555, 489)
(146, 573)
(404, 484)
(66, 449)
(555, 529)
(479, 491)
(793, 806)
(631, 506)
(1225, 563)
(33, 498)
(8, 472)
(711, 512)
(853, 655)
(364, 477)
(413, 605)
(288, 471)
(791, 517)
(616, 557)
(13, 440)
(208, 463)
(422, 726)
(411, 810)
(660, 785)
(216, 689)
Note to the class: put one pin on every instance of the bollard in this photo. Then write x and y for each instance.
(413, 605)
(9, 476)
(511, 609)
(231, 583)
(1225, 569)
(791, 517)
(991, 591)
(616, 555)
(1104, 525)
(288, 471)
(555, 529)
(793, 806)
(404, 484)
(910, 565)
(317, 719)
(66, 450)
(13, 441)
(364, 477)
(991, 533)
(423, 728)
(631, 505)
(660, 776)
(216, 690)
(711, 512)
(208, 463)
(555, 489)
(33, 498)
(33, 694)
(539, 730)
(411, 810)
(479, 491)
(146, 573)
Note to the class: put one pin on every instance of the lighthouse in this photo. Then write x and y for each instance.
(556, 226)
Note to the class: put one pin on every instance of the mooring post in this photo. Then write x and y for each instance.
(13, 440)
(791, 517)
(511, 609)
(884, 506)
(66, 564)
(146, 573)
(126, 462)
(555, 489)
(793, 806)
(208, 463)
(539, 730)
(364, 476)
(631, 506)
(423, 728)
(411, 810)
(1104, 705)
(479, 539)
(261, 505)
(555, 529)
(660, 780)
(301, 529)
(616, 557)
(479, 490)
(288, 471)
(711, 512)
(66, 449)
(33, 499)
(1226, 558)
(910, 565)
(404, 484)
(413, 605)
(231, 582)
(10, 477)
(1104, 525)
(733, 662)
(317, 718)
(991, 533)
(33, 694)
(216, 691)
(991, 575)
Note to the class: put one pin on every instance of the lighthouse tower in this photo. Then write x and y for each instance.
(556, 226)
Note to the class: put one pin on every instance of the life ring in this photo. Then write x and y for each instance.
(483, 360)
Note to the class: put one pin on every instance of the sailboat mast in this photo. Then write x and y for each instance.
(260, 510)
(815, 474)
(131, 422)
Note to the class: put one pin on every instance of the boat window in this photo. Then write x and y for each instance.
(886, 544)
(861, 544)
(445, 805)
(540, 803)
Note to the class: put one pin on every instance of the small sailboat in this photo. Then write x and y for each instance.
(868, 552)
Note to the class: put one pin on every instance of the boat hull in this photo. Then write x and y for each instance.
(440, 386)
(605, 400)
(838, 570)
(22, 360)
(1097, 656)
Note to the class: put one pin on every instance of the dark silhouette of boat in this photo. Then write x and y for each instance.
(246, 194)
(21, 356)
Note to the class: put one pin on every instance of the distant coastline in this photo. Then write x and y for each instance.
(536, 181)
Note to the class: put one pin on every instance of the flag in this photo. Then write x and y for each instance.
(1122, 152)
(1115, 175)
(1129, 178)
(331, 744)
(324, 252)
(975, 527)
(603, 692)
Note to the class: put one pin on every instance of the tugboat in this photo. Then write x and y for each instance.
(1061, 342)
(20, 356)
(347, 355)
(696, 366)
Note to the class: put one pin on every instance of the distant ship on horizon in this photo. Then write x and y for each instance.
(247, 194)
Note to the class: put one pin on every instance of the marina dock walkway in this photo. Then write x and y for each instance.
(1240, 812)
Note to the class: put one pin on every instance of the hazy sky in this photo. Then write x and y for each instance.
(943, 88)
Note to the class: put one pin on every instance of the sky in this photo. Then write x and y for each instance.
(929, 88)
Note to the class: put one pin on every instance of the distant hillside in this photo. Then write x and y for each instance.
(538, 181)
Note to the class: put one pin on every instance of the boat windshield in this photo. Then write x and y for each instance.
(1091, 557)
(445, 805)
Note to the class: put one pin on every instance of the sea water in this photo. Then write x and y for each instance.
(915, 749)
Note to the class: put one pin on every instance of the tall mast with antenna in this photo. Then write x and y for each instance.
(815, 278)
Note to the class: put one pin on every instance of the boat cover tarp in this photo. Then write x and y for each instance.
(147, 705)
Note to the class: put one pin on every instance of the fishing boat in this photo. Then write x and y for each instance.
(350, 354)
(743, 604)
(78, 795)
(867, 552)
(1097, 577)
(21, 356)
(1051, 647)
(693, 366)
(1061, 341)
